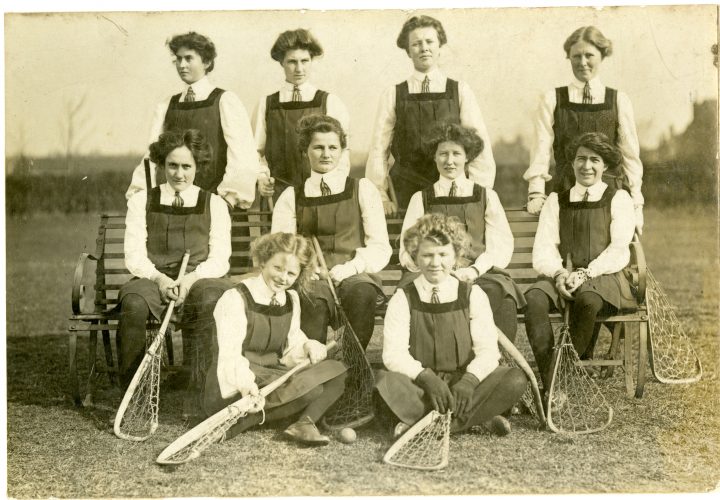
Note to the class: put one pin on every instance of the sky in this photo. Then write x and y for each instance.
(119, 64)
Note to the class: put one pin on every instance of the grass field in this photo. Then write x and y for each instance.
(668, 441)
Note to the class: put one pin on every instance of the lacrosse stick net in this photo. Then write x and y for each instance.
(140, 418)
(137, 416)
(672, 357)
(575, 403)
(355, 407)
(425, 446)
(192, 444)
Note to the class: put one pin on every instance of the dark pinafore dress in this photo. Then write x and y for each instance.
(265, 339)
(572, 119)
(336, 221)
(440, 339)
(416, 114)
(205, 117)
(171, 232)
(287, 165)
(471, 212)
(585, 234)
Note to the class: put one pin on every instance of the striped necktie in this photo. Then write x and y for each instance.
(324, 188)
(435, 298)
(453, 190)
(425, 85)
(274, 301)
(587, 97)
(296, 97)
(585, 196)
(190, 96)
(178, 201)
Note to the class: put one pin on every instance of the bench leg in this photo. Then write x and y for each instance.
(628, 360)
(109, 362)
(613, 350)
(642, 359)
(92, 359)
(72, 368)
(169, 348)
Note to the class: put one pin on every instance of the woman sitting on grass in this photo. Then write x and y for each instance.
(259, 339)
(594, 222)
(440, 341)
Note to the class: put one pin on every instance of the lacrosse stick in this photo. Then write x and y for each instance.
(137, 416)
(391, 192)
(355, 406)
(575, 403)
(425, 445)
(190, 445)
(512, 357)
(672, 357)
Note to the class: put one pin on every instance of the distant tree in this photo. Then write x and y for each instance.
(74, 126)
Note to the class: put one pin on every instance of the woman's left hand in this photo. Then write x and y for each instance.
(576, 279)
(466, 274)
(315, 351)
(342, 271)
(183, 286)
(463, 391)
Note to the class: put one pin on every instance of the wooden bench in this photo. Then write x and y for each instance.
(110, 274)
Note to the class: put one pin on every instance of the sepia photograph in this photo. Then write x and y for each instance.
(368, 250)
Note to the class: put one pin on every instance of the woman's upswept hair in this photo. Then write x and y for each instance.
(415, 22)
(263, 248)
(197, 42)
(589, 34)
(190, 138)
(467, 137)
(293, 40)
(439, 229)
(311, 124)
(599, 143)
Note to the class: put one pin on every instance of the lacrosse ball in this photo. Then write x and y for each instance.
(347, 435)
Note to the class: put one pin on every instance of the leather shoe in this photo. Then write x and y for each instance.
(498, 425)
(304, 431)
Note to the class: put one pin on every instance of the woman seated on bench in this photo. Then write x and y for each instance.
(453, 146)
(259, 339)
(346, 215)
(594, 223)
(162, 224)
(440, 341)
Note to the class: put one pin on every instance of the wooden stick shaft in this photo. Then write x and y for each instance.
(324, 268)
(171, 306)
(391, 191)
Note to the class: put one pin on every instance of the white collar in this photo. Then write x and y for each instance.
(596, 189)
(305, 87)
(202, 87)
(595, 83)
(448, 283)
(167, 189)
(334, 175)
(444, 182)
(433, 75)
(260, 290)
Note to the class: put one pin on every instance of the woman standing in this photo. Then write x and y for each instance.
(584, 105)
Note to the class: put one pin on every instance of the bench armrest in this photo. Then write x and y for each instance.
(78, 289)
(637, 259)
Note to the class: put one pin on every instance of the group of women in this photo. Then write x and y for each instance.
(440, 340)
